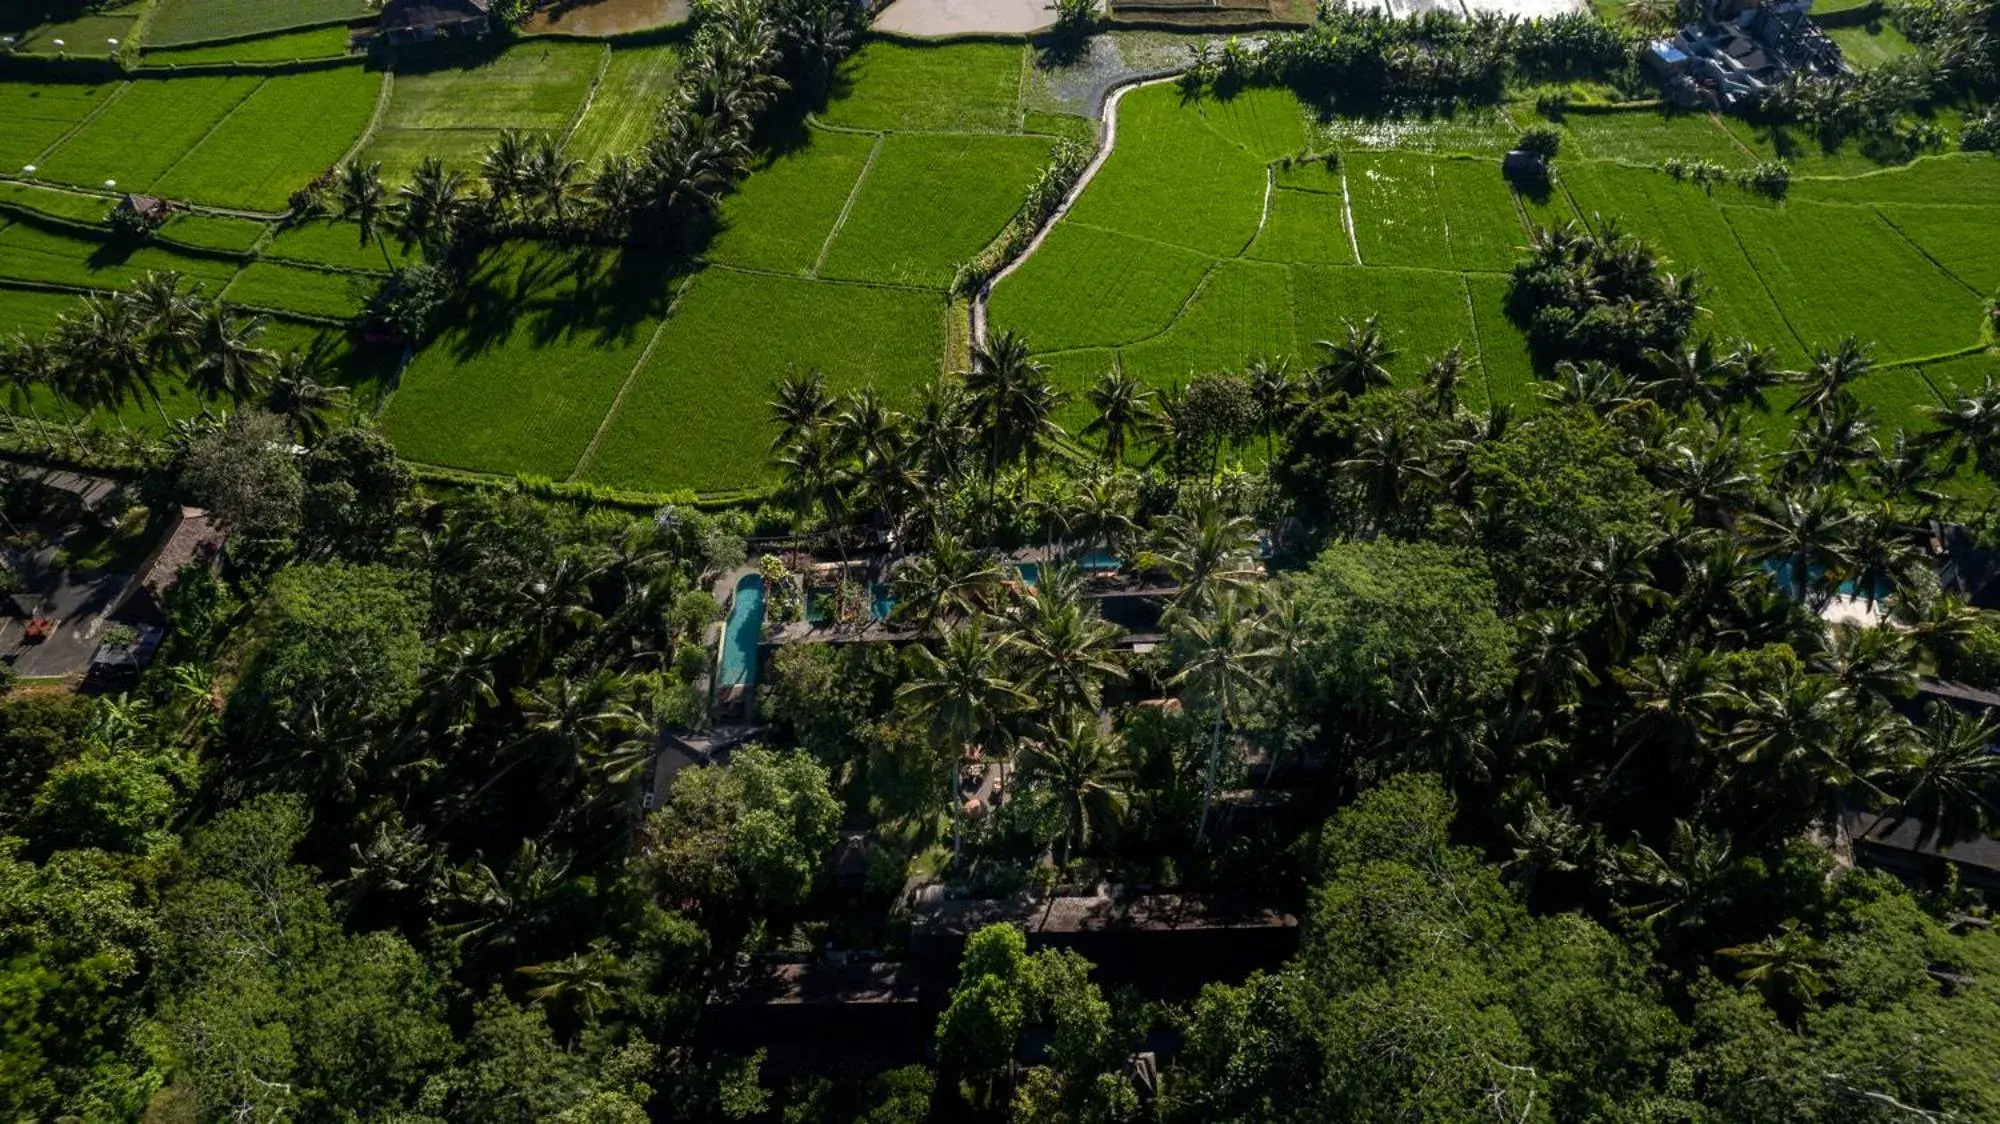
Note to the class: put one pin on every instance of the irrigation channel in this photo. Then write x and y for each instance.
(1108, 115)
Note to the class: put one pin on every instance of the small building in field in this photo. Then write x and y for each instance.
(425, 21)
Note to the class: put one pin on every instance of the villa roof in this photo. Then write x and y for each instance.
(397, 14)
(193, 539)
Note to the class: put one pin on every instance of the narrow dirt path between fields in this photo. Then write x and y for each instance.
(1108, 117)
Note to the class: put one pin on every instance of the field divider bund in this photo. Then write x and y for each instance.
(753, 271)
(631, 376)
(367, 136)
(1108, 120)
(589, 97)
(1347, 215)
(846, 208)
(73, 130)
(1885, 220)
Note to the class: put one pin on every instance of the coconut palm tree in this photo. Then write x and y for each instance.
(1124, 408)
(815, 476)
(1808, 534)
(582, 983)
(1013, 404)
(550, 183)
(940, 430)
(364, 202)
(950, 581)
(1832, 372)
(430, 208)
(1209, 552)
(295, 394)
(1618, 579)
(1099, 514)
(1084, 773)
(504, 170)
(171, 316)
(1275, 389)
(104, 356)
(1882, 556)
(616, 193)
(1971, 423)
(1694, 376)
(1355, 363)
(1783, 966)
(1063, 648)
(1442, 380)
(26, 365)
(961, 690)
(228, 364)
(1389, 464)
(800, 403)
(1945, 776)
(1220, 654)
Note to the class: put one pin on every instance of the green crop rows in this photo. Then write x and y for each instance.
(196, 21)
(456, 111)
(625, 103)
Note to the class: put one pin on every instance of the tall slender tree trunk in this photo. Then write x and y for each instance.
(1208, 782)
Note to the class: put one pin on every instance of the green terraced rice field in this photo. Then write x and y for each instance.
(70, 206)
(1268, 124)
(290, 130)
(1485, 132)
(973, 88)
(1811, 256)
(456, 111)
(1243, 309)
(195, 21)
(930, 202)
(1094, 288)
(291, 288)
(334, 244)
(1305, 226)
(29, 253)
(1963, 375)
(213, 232)
(1649, 138)
(1960, 177)
(625, 103)
(780, 217)
(1424, 313)
(695, 416)
(1964, 240)
(145, 130)
(1174, 179)
(31, 312)
(1414, 210)
(317, 43)
(529, 368)
(39, 114)
(84, 34)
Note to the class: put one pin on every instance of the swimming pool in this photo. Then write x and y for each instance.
(741, 635)
(880, 602)
(1094, 563)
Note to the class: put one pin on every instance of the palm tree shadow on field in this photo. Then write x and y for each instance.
(582, 295)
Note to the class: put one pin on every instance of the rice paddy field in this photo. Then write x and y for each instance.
(1217, 230)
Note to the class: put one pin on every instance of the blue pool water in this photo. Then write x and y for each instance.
(740, 636)
(1095, 562)
(1786, 574)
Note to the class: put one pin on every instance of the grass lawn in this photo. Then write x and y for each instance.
(930, 202)
(534, 356)
(194, 21)
(779, 218)
(456, 110)
(316, 43)
(329, 243)
(141, 135)
(1811, 256)
(37, 115)
(968, 87)
(291, 288)
(293, 128)
(1243, 309)
(29, 253)
(1871, 45)
(696, 416)
(1094, 288)
(1965, 240)
(628, 99)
